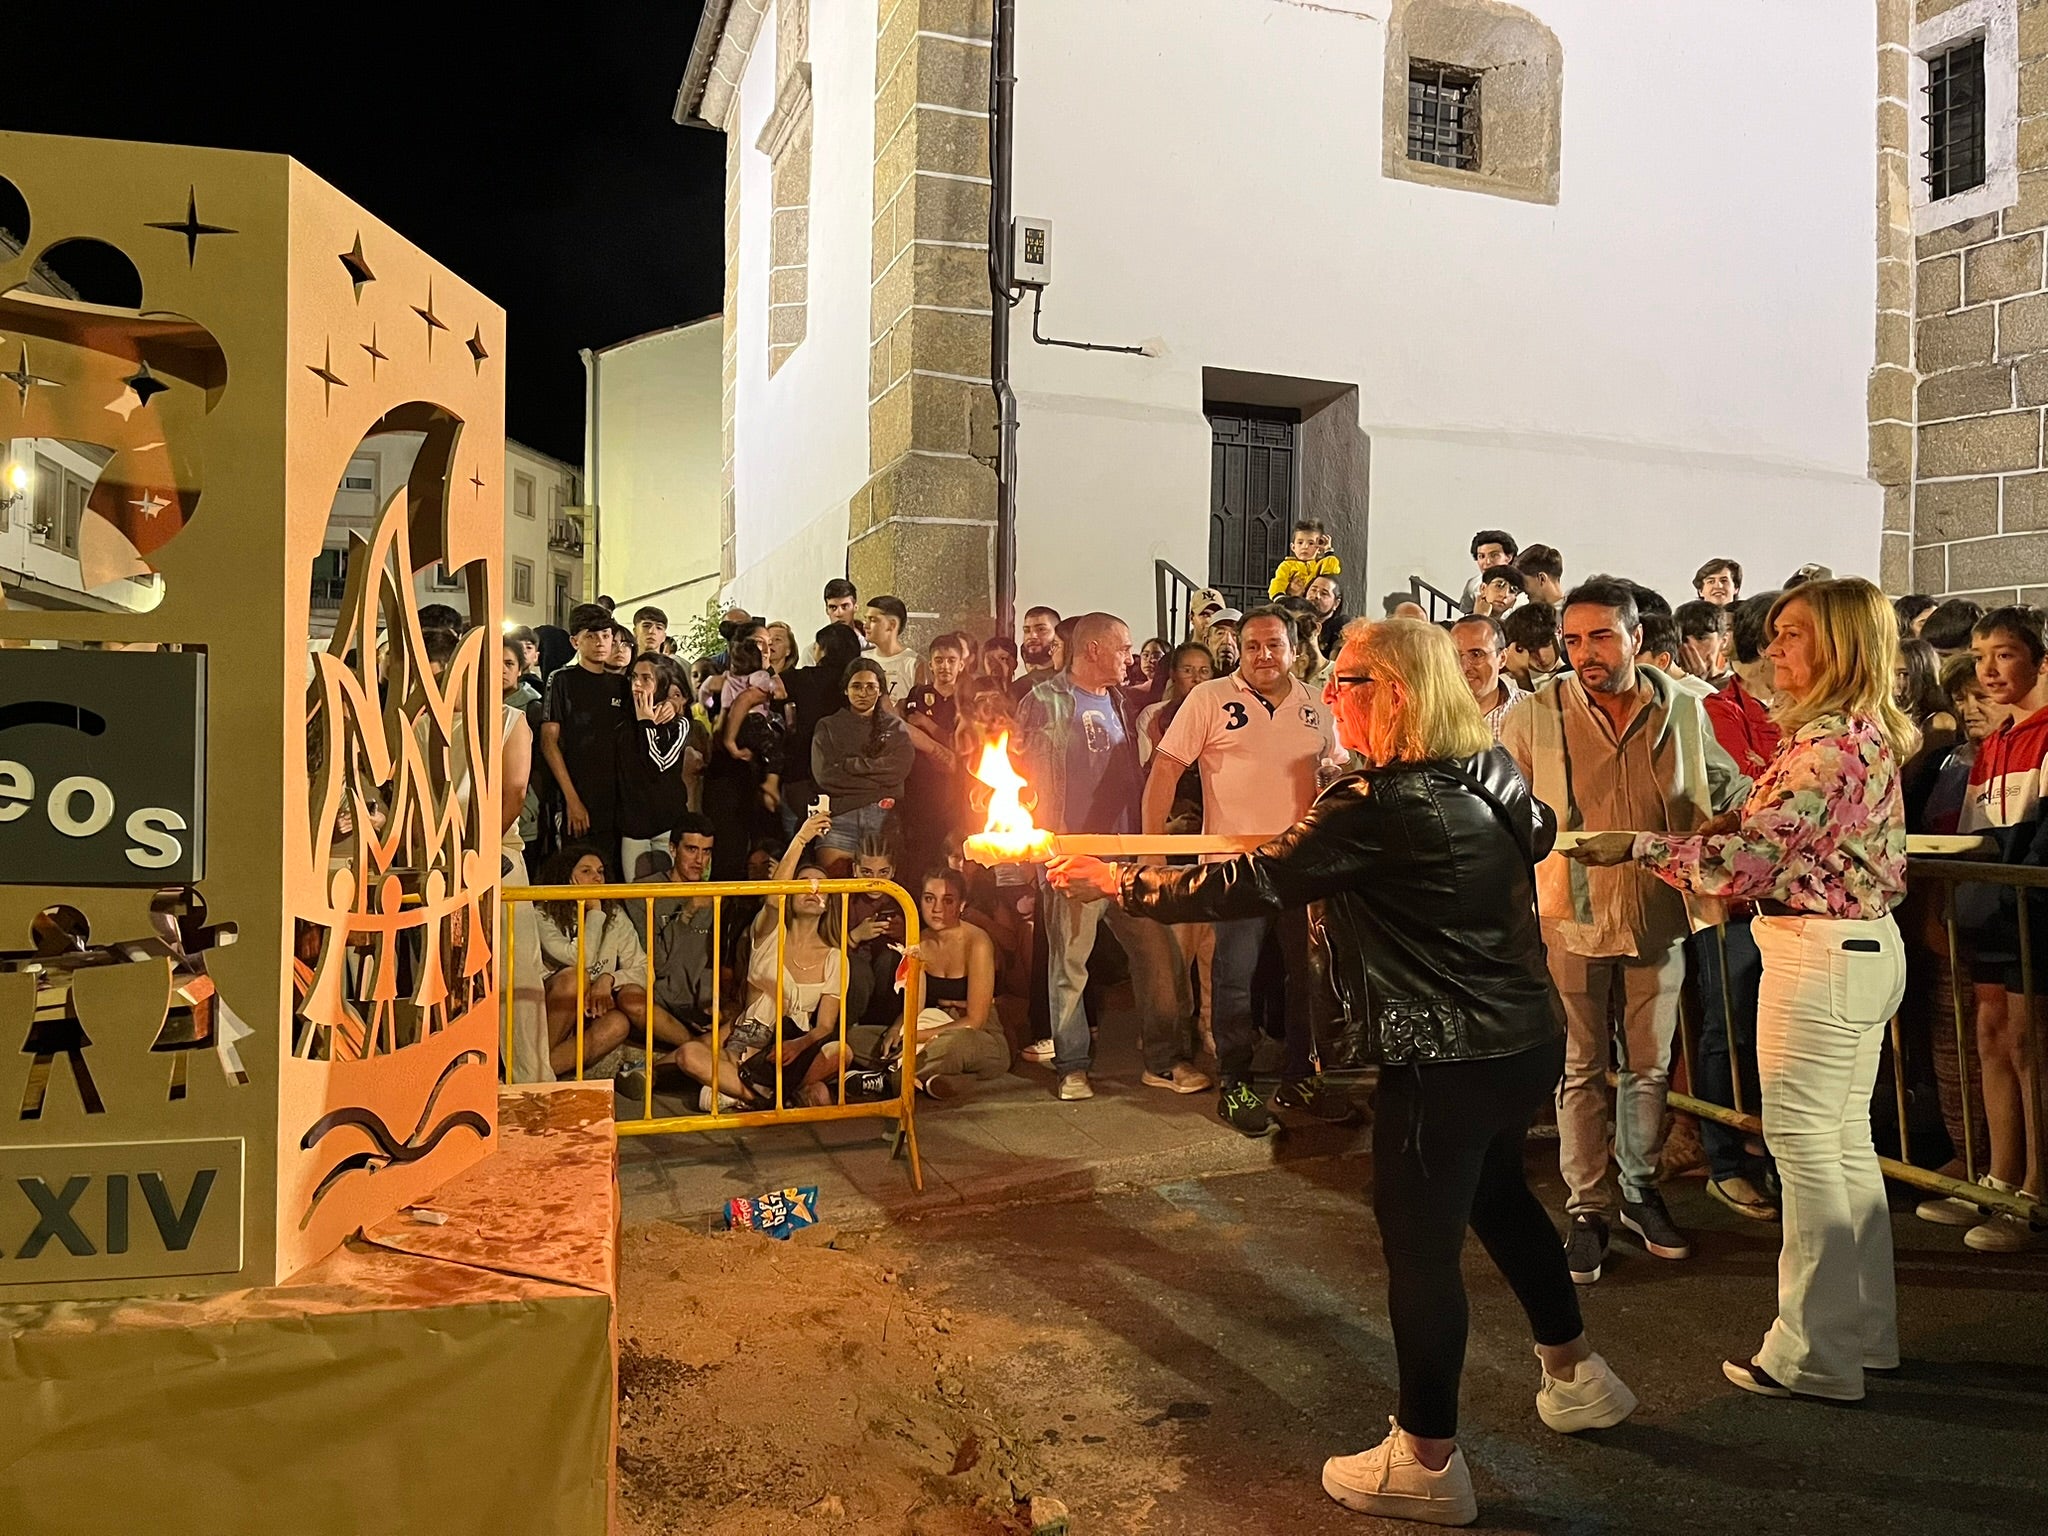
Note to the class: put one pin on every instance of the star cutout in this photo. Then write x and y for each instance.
(150, 505)
(191, 228)
(145, 384)
(376, 357)
(476, 479)
(324, 372)
(434, 321)
(477, 354)
(24, 379)
(359, 271)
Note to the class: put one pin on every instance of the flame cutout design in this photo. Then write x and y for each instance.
(1008, 836)
(399, 790)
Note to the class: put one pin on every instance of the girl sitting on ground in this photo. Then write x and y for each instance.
(613, 1003)
(801, 1047)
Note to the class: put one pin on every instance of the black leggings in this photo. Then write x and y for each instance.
(1447, 1152)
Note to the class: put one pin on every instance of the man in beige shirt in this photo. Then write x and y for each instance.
(1615, 746)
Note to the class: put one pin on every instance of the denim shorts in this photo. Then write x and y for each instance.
(850, 828)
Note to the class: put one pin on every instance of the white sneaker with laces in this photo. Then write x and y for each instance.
(1038, 1050)
(2002, 1232)
(1075, 1086)
(1595, 1398)
(1389, 1482)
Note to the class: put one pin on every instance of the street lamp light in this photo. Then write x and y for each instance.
(13, 485)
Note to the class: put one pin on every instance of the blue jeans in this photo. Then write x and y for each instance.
(1238, 944)
(850, 829)
(1720, 1002)
(1159, 981)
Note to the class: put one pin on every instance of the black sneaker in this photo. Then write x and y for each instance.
(1317, 1096)
(870, 1087)
(1648, 1219)
(1585, 1249)
(1240, 1106)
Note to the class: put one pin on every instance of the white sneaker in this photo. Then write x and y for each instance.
(1388, 1481)
(726, 1102)
(1075, 1086)
(1953, 1212)
(1595, 1398)
(2003, 1232)
(1040, 1051)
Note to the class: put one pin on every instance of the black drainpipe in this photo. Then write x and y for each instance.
(1001, 98)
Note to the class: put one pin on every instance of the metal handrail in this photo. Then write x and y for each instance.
(901, 1109)
(1174, 588)
(1439, 603)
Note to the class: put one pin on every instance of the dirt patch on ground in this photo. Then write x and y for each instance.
(811, 1386)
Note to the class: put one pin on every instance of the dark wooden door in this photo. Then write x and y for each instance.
(1252, 464)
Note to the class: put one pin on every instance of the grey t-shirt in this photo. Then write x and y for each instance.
(685, 976)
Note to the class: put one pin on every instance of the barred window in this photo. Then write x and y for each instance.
(1956, 119)
(1443, 115)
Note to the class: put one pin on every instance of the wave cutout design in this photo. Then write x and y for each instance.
(390, 1150)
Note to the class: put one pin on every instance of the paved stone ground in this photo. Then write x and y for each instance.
(1238, 1323)
(1231, 1331)
(1012, 1141)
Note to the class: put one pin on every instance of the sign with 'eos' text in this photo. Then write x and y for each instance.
(102, 767)
(115, 1212)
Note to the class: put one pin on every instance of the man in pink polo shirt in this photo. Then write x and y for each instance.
(1262, 742)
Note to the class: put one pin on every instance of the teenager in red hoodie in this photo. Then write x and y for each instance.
(2008, 796)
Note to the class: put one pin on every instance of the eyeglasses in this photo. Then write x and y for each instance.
(1351, 680)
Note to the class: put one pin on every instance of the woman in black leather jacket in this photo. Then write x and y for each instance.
(1423, 862)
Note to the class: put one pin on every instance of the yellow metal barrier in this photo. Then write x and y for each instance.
(1950, 873)
(901, 1109)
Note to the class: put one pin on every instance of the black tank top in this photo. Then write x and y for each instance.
(939, 990)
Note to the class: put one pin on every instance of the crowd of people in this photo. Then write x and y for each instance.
(1737, 774)
(1619, 709)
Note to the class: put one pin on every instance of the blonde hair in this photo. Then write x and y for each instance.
(1856, 646)
(1430, 712)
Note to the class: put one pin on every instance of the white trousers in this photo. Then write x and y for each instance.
(1828, 989)
(528, 984)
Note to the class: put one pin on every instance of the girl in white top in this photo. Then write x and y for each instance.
(806, 1048)
(612, 960)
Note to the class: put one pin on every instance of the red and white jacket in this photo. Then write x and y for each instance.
(2007, 782)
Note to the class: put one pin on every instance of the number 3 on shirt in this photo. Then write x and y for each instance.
(1235, 712)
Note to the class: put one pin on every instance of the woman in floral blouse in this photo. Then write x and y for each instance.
(1820, 847)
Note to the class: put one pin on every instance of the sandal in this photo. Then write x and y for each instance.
(1743, 1198)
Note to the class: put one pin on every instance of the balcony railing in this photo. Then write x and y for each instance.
(565, 537)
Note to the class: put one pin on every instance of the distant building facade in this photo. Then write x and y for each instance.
(1412, 267)
(544, 536)
(1958, 397)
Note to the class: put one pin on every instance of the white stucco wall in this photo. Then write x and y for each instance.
(1668, 364)
(802, 445)
(655, 465)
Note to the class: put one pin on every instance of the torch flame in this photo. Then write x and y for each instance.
(1008, 836)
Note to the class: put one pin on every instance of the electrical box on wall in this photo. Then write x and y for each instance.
(1031, 252)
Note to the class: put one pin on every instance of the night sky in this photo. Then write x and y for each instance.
(537, 161)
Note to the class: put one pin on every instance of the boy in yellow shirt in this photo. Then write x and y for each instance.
(1311, 558)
